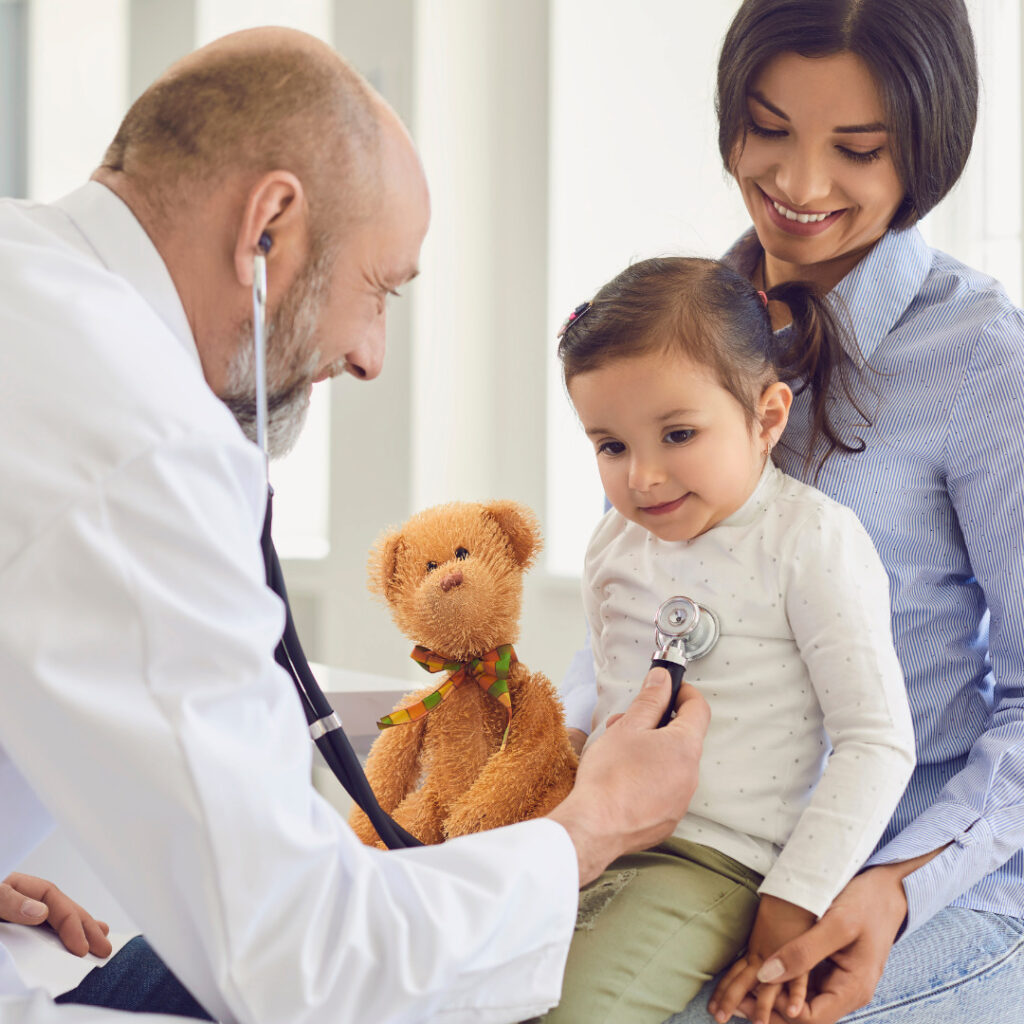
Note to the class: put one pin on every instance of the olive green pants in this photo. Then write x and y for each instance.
(651, 930)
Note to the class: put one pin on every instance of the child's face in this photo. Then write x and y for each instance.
(674, 449)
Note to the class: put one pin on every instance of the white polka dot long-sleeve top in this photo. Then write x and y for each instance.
(811, 744)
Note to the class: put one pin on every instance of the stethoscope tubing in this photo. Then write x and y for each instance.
(324, 724)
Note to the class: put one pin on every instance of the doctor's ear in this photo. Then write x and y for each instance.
(274, 220)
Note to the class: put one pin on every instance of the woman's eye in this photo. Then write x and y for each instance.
(431, 566)
(611, 448)
(765, 133)
(861, 158)
(461, 553)
(679, 436)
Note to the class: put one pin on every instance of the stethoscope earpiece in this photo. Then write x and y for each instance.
(264, 243)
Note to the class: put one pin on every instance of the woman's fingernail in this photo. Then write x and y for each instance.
(770, 971)
(33, 908)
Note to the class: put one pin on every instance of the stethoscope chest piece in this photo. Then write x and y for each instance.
(684, 631)
(689, 627)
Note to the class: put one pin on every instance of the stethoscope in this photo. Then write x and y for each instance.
(324, 724)
(684, 631)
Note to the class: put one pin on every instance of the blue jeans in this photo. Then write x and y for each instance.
(135, 979)
(961, 967)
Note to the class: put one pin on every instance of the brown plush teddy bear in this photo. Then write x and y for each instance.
(485, 744)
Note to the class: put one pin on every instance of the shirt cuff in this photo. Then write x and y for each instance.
(965, 860)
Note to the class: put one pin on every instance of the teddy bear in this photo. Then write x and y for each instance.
(485, 745)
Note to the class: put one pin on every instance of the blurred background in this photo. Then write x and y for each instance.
(562, 139)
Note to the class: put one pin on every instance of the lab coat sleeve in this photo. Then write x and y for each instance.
(142, 703)
(837, 601)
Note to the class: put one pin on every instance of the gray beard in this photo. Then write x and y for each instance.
(293, 357)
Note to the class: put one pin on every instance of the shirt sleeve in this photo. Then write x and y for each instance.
(579, 688)
(978, 816)
(837, 602)
(142, 703)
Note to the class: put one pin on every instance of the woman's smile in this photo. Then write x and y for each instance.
(799, 222)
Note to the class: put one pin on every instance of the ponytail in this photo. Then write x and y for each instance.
(811, 354)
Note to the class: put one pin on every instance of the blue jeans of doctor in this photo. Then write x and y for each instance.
(961, 967)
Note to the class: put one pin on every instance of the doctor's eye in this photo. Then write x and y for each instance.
(431, 566)
(461, 553)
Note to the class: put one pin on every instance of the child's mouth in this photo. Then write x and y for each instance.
(664, 507)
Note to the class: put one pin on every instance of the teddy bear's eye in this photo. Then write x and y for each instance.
(461, 553)
(431, 566)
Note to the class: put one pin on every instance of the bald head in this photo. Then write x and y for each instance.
(248, 103)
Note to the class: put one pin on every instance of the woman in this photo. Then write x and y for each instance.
(844, 122)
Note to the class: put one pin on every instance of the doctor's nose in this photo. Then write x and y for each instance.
(366, 360)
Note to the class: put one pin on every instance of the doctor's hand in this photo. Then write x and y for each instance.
(25, 899)
(637, 780)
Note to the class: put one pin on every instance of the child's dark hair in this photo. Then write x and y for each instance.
(708, 313)
(920, 54)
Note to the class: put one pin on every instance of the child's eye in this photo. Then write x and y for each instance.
(431, 566)
(461, 553)
(679, 436)
(611, 448)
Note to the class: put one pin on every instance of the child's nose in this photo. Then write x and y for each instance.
(644, 474)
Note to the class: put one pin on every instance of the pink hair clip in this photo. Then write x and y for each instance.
(573, 317)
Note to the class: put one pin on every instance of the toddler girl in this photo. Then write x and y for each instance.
(681, 385)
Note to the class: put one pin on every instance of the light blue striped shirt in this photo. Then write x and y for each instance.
(940, 488)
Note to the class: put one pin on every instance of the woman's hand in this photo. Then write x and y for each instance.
(851, 943)
(25, 899)
(777, 923)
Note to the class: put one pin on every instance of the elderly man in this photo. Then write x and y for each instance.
(142, 707)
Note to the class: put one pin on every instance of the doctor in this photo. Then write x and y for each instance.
(142, 708)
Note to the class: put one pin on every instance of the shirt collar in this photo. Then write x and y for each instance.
(875, 294)
(121, 244)
(764, 493)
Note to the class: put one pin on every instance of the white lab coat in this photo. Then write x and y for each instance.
(140, 700)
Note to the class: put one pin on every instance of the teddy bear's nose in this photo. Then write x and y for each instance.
(453, 579)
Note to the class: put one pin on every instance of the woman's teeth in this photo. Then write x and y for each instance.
(803, 218)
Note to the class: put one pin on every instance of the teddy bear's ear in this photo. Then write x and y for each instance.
(382, 567)
(520, 526)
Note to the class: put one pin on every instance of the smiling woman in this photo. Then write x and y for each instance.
(815, 166)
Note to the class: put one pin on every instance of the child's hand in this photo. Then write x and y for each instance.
(777, 923)
(577, 737)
